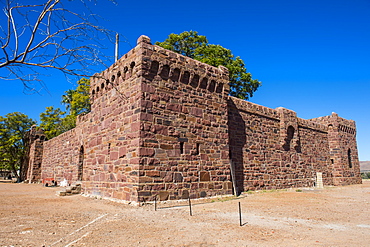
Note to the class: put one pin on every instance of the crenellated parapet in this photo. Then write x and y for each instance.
(121, 71)
(171, 67)
(337, 123)
(151, 61)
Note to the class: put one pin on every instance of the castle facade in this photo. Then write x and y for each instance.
(163, 125)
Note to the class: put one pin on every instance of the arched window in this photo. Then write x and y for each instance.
(175, 74)
(204, 83)
(165, 72)
(185, 77)
(219, 88)
(125, 70)
(195, 81)
(132, 65)
(212, 86)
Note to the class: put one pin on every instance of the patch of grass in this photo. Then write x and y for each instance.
(227, 198)
(298, 190)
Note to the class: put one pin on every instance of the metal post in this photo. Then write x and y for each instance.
(191, 213)
(240, 215)
(155, 203)
(116, 49)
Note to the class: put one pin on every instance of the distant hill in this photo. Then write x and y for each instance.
(365, 166)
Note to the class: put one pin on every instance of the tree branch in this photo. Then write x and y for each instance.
(49, 36)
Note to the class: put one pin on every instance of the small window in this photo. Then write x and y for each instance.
(175, 74)
(185, 77)
(154, 67)
(197, 151)
(195, 81)
(132, 65)
(181, 147)
(219, 88)
(165, 72)
(203, 83)
(212, 86)
(289, 137)
(349, 158)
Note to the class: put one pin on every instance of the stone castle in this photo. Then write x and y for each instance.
(163, 125)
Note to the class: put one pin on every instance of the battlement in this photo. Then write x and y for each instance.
(338, 123)
(277, 114)
(150, 61)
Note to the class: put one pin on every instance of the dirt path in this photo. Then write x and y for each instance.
(32, 215)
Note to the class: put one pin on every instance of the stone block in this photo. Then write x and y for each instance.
(204, 176)
(185, 194)
(152, 173)
(146, 152)
(61, 193)
(163, 195)
(177, 177)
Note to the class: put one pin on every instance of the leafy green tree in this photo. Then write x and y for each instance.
(77, 101)
(67, 98)
(185, 43)
(196, 46)
(13, 142)
(51, 121)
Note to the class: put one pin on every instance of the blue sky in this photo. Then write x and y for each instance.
(312, 56)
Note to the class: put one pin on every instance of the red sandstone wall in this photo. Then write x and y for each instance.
(260, 153)
(59, 158)
(35, 138)
(35, 160)
(108, 135)
(184, 139)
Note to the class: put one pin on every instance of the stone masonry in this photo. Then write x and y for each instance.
(162, 125)
(36, 140)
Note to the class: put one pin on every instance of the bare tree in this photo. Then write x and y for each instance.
(49, 35)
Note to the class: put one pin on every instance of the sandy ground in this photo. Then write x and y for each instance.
(32, 215)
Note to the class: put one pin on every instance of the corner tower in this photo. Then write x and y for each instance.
(344, 160)
(160, 121)
(183, 131)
